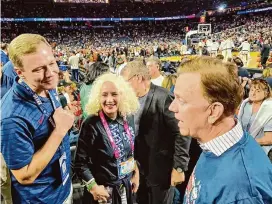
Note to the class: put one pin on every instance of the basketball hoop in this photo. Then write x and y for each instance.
(205, 28)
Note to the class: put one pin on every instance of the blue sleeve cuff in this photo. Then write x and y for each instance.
(20, 165)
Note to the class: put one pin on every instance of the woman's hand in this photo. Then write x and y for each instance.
(100, 193)
(135, 181)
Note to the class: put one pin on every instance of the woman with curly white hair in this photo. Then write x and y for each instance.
(105, 153)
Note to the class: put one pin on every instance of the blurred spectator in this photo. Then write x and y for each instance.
(242, 72)
(66, 91)
(62, 98)
(267, 75)
(74, 62)
(265, 53)
(75, 92)
(255, 113)
(7, 78)
(94, 71)
(169, 82)
(154, 66)
(4, 54)
(5, 182)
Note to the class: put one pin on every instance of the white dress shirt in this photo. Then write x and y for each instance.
(221, 144)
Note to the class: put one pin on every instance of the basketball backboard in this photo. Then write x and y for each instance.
(205, 28)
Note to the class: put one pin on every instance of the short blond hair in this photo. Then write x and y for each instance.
(219, 83)
(137, 67)
(22, 45)
(129, 103)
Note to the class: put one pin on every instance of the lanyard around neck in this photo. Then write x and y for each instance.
(41, 107)
(114, 146)
(39, 102)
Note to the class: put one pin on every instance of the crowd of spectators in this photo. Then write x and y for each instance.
(119, 10)
(250, 25)
(136, 36)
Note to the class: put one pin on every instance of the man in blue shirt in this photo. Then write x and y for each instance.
(34, 141)
(4, 54)
(7, 79)
(62, 66)
(233, 169)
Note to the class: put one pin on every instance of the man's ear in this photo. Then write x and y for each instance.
(19, 72)
(217, 110)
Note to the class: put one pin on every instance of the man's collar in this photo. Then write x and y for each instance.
(222, 143)
(23, 92)
(157, 77)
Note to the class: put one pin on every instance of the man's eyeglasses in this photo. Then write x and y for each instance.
(131, 77)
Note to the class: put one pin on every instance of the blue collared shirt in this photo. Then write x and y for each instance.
(24, 130)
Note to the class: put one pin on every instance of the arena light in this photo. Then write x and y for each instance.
(221, 8)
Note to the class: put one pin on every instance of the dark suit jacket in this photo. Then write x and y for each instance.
(159, 147)
(265, 50)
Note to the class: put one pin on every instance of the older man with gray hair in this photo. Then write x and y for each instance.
(232, 168)
(163, 154)
(154, 66)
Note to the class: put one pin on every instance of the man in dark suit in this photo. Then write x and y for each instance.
(161, 152)
(265, 53)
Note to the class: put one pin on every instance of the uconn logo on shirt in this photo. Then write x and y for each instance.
(192, 190)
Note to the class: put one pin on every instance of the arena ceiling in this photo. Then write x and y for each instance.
(212, 3)
(228, 2)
